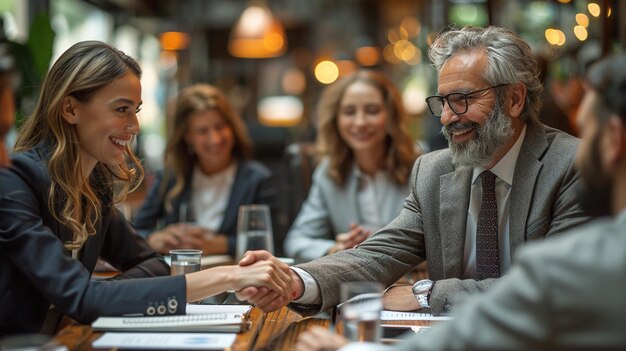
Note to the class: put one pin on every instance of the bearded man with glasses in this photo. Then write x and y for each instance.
(504, 180)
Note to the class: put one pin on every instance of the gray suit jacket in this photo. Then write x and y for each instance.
(564, 293)
(329, 209)
(431, 226)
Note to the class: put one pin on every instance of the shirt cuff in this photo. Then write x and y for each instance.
(311, 294)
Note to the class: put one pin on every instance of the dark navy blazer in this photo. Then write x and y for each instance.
(36, 271)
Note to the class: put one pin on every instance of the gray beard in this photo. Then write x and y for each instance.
(489, 138)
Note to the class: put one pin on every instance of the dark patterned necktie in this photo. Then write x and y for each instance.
(487, 249)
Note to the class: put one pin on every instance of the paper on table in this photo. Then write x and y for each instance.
(203, 309)
(411, 316)
(179, 341)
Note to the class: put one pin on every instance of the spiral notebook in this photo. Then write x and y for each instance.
(227, 320)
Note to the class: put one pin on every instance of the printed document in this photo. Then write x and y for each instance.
(178, 341)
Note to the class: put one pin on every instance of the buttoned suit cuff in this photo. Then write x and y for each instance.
(438, 301)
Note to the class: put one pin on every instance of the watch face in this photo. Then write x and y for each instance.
(422, 286)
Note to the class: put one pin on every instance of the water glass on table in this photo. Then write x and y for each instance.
(360, 310)
(254, 229)
(185, 261)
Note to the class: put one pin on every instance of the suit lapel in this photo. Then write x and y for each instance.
(454, 202)
(524, 178)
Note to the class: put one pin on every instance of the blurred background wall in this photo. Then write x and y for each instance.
(274, 57)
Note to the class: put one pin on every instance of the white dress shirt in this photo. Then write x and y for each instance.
(504, 170)
(371, 196)
(210, 195)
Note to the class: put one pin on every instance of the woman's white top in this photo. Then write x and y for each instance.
(210, 195)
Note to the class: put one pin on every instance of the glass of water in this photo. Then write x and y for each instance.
(360, 310)
(254, 229)
(185, 261)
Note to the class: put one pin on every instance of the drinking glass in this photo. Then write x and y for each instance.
(360, 310)
(254, 229)
(185, 261)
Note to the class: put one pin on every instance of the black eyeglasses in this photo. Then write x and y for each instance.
(456, 101)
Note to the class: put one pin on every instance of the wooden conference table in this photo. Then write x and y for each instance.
(277, 330)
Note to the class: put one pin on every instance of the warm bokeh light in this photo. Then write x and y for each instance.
(404, 50)
(254, 21)
(403, 33)
(561, 41)
(273, 41)
(555, 37)
(326, 72)
(581, 33)
(345, 67)
(174, 41)
(392, 35)
(367, 55)
(257, 35)
(411, 25)
(565, 1)
(416, 59)
(293, 82)
(582, 20)
(594, 9)
(283, 111)
(389, 55)
(609, 11)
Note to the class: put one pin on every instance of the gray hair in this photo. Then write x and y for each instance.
(509, 60)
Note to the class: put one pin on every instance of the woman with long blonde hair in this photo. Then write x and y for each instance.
(362, 180)
(56, 207)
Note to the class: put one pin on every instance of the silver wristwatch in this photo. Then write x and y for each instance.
(421, 290)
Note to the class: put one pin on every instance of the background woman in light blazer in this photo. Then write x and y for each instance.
(207, 176)
(362, 179)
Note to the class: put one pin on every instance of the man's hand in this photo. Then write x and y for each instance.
(319, 339)
(264, 298)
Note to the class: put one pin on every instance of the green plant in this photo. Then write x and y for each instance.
(31, 63)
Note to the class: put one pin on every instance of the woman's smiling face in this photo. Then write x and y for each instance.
(107, 122)
(362, 117)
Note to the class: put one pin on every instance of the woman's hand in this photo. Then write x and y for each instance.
(319, 339)
(352, 238)
(166, 239)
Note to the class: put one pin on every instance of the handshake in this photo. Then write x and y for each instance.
(271, 284)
